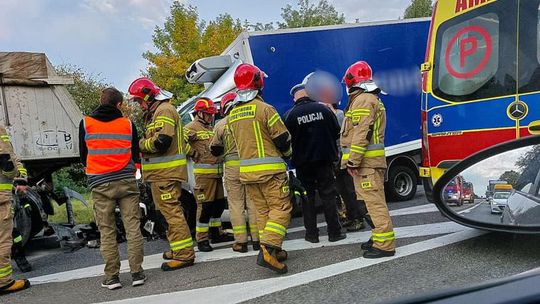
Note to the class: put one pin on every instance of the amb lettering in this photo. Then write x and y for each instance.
(310, 118)
(462, 5)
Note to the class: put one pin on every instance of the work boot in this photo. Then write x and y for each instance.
(168, 255)
(281, 255)
(256, 245)
(22, 263)
(267, 258)
(176, 264)
(355, 225)
(112, 283)
(218, 237)
(204, 246)
(138, 278)
(337, 237)
(367, 245)
(14, 286)
(312, 238)
(240, 247)
(375, 253)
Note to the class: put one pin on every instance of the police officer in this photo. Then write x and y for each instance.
(10, 168)
(207, 169)
(362, 139)
(325, 88)
(164, 166)
(314, 130)
(263, 141)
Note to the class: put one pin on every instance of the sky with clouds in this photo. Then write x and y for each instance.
(107, 37)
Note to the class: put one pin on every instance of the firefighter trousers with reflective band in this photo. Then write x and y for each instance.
(124, 194)
(166, 195)
(6, 227)
(356, 209)
(369, 187)
(236, 197)
(273, 204)
(210, 205)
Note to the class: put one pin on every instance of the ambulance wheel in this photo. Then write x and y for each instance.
(402, 183)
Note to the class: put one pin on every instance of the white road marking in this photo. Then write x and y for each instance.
(426, 208)
(470, 209)
(154, 261)
(239, 292)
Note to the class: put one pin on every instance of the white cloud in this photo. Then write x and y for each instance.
(147, 12)
(371, 10)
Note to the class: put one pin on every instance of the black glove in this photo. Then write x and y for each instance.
(6, 164)
(295, 186)
(19, 181)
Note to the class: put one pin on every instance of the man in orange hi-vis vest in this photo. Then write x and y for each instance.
(109, 151)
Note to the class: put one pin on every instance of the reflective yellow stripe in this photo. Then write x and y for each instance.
(345, 156)
(5, 138)
(276, 228)
(179, 245)
(374, 153)
(383, 237)
(206, 171)
(358, 149)
(215, 222)
(202, 229)
(272, 121)
(17, 239)
(258, 138)
(6, 186)
(164, 165)
(26, 206)
(232, 163)
(165, 118)
(23, 171)
(160, 122)
(5, 271)
(239, 229)
(150, 126)
(263, 167)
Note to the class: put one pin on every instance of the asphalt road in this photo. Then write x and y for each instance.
(433, 254)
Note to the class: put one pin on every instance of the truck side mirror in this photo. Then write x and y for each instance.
(508, 174)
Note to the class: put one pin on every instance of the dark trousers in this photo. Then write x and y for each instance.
(319, 177)
(356, 209)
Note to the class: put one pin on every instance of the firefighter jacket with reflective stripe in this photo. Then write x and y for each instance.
(198, 135)
(362, 133)
(223, 138)
(255, 125)
(162, 119)
(109, 145)
(6, 177)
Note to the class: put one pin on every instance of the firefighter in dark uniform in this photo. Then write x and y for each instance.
(314, 130)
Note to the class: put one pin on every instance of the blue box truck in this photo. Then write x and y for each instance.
(394, 49)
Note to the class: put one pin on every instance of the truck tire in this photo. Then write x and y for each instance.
(402, 183)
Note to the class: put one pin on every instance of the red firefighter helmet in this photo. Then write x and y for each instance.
(205, 105)
(227, 102)
(144, 89)
(249, 77)
(357, 73)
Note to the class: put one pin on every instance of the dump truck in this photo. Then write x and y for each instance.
(42, 119)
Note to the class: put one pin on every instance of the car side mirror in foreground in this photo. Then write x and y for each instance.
(495, 189)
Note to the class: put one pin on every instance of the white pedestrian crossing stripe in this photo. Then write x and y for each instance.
(239, 292)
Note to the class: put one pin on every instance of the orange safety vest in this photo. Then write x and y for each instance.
(109, 145)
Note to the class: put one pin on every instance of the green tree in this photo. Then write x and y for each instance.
(419, 8)
(309, 14)
(183, 39)
(86, 89)
(511, 177)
